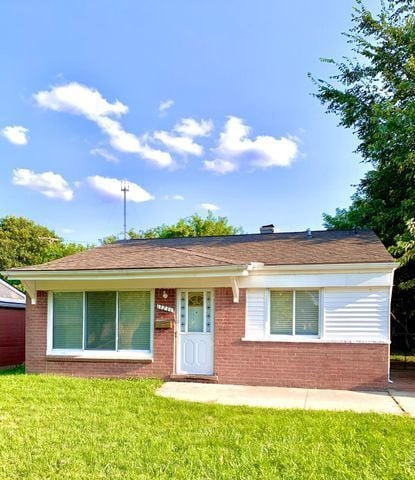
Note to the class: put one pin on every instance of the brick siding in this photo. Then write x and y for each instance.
(37, 361)
(287, 364)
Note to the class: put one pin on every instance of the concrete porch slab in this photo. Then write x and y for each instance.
(278, 397)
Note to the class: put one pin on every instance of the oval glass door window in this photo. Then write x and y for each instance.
(195, 312)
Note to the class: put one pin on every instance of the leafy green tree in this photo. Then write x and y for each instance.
(404, 249)
(193, 226)
(373, 94)
(113, 238)
(345, 219)
(23, 242)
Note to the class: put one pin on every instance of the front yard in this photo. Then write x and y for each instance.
(67, 428)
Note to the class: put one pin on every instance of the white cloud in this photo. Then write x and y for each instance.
(67, 230)
(182, 138)
(179, 144)
(235, 147)
(50, 184)
(162, 159)
(119, 138)
(210, 206)
(102, 152)
(173, 197)
(78, 99)
(111, 187)
(220, 166)
(164, 106)
(190, 127)
(16, 134)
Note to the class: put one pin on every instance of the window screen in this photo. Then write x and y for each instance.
(99, 327)
(100, 320)
(67, 320)
(134, 327)
(282, 313)
(294, 312)
(306, 312)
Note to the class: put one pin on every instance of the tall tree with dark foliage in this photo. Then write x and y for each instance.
(373, 93)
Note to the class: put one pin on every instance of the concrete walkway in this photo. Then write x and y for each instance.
(398, 403)
(406, 401)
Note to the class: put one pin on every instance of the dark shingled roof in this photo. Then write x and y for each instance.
(324, 247)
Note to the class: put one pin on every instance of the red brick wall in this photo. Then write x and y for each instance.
(12, 332)
(37, 362)
(288, 364)
(314, 365)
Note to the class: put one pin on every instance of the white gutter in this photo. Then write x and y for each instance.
(324, 267)
(199, 272)
(126, 274)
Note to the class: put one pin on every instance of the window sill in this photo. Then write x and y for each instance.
(102, 357)
(311, 340)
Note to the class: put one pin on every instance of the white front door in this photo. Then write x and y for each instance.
(195, 332)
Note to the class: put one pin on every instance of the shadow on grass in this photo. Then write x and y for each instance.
(19, 370)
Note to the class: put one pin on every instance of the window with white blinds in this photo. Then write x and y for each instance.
(134, 320)
(294, 312)
(281, 313)
(67, 320)
(102, 321)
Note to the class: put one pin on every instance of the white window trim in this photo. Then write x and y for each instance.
(269, 337)
(304, 339)
(99, 354)
(294, 336)
(265, 337)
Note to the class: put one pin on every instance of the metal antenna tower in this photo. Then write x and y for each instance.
(125, 187)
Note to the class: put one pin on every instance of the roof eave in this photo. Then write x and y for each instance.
(197, 272)
(120, 274)
(327, 267)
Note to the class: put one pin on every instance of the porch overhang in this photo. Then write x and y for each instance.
(119, 274)
(35, 280)
(250, 275)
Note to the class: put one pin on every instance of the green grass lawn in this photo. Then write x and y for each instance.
(68, 428)
(403, 358)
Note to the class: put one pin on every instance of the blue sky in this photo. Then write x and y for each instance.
(196, 103)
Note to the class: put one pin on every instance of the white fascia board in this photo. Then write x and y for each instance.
(325, 267)
(253, 269)
(125, 274)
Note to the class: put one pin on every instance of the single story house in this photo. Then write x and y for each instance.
(303, 309)
(12, 325)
